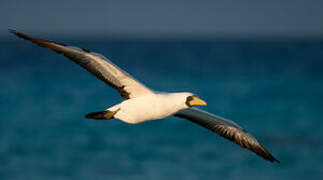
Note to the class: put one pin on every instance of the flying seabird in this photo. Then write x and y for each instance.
(153, 105)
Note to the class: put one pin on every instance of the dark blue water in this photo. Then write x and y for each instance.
(274, 89)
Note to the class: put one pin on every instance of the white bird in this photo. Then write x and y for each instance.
(143, 104)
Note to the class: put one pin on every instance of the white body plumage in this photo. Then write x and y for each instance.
(150, 107)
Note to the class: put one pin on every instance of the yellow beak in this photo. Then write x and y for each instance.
(196, 101)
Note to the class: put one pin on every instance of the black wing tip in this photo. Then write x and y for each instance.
(265, 154)
(19, 34)
(228, 130)
(273, 160)
(249, 142)
(270, 158)
(34, 40)
(13, 31)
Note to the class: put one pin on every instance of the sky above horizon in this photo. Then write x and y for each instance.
(167, 18)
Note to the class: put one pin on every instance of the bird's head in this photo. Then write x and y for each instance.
(193, 100)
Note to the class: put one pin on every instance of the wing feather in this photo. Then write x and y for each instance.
(97, 65)
(227, 129)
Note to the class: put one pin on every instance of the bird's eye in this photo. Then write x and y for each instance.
(189, 99)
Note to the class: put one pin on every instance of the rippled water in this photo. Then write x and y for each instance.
(271, 88)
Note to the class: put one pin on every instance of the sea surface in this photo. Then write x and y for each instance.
(272, 88)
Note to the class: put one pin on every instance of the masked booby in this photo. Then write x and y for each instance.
(152, 105)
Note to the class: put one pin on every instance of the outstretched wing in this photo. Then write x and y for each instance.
(226, 129)
(97, 65)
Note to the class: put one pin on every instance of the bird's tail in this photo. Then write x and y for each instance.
(101, 115)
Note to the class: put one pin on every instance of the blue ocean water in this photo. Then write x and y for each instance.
(272, 88)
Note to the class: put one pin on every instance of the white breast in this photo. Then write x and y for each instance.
(149, 107)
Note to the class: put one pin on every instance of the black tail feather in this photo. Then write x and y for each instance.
(100, 115)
